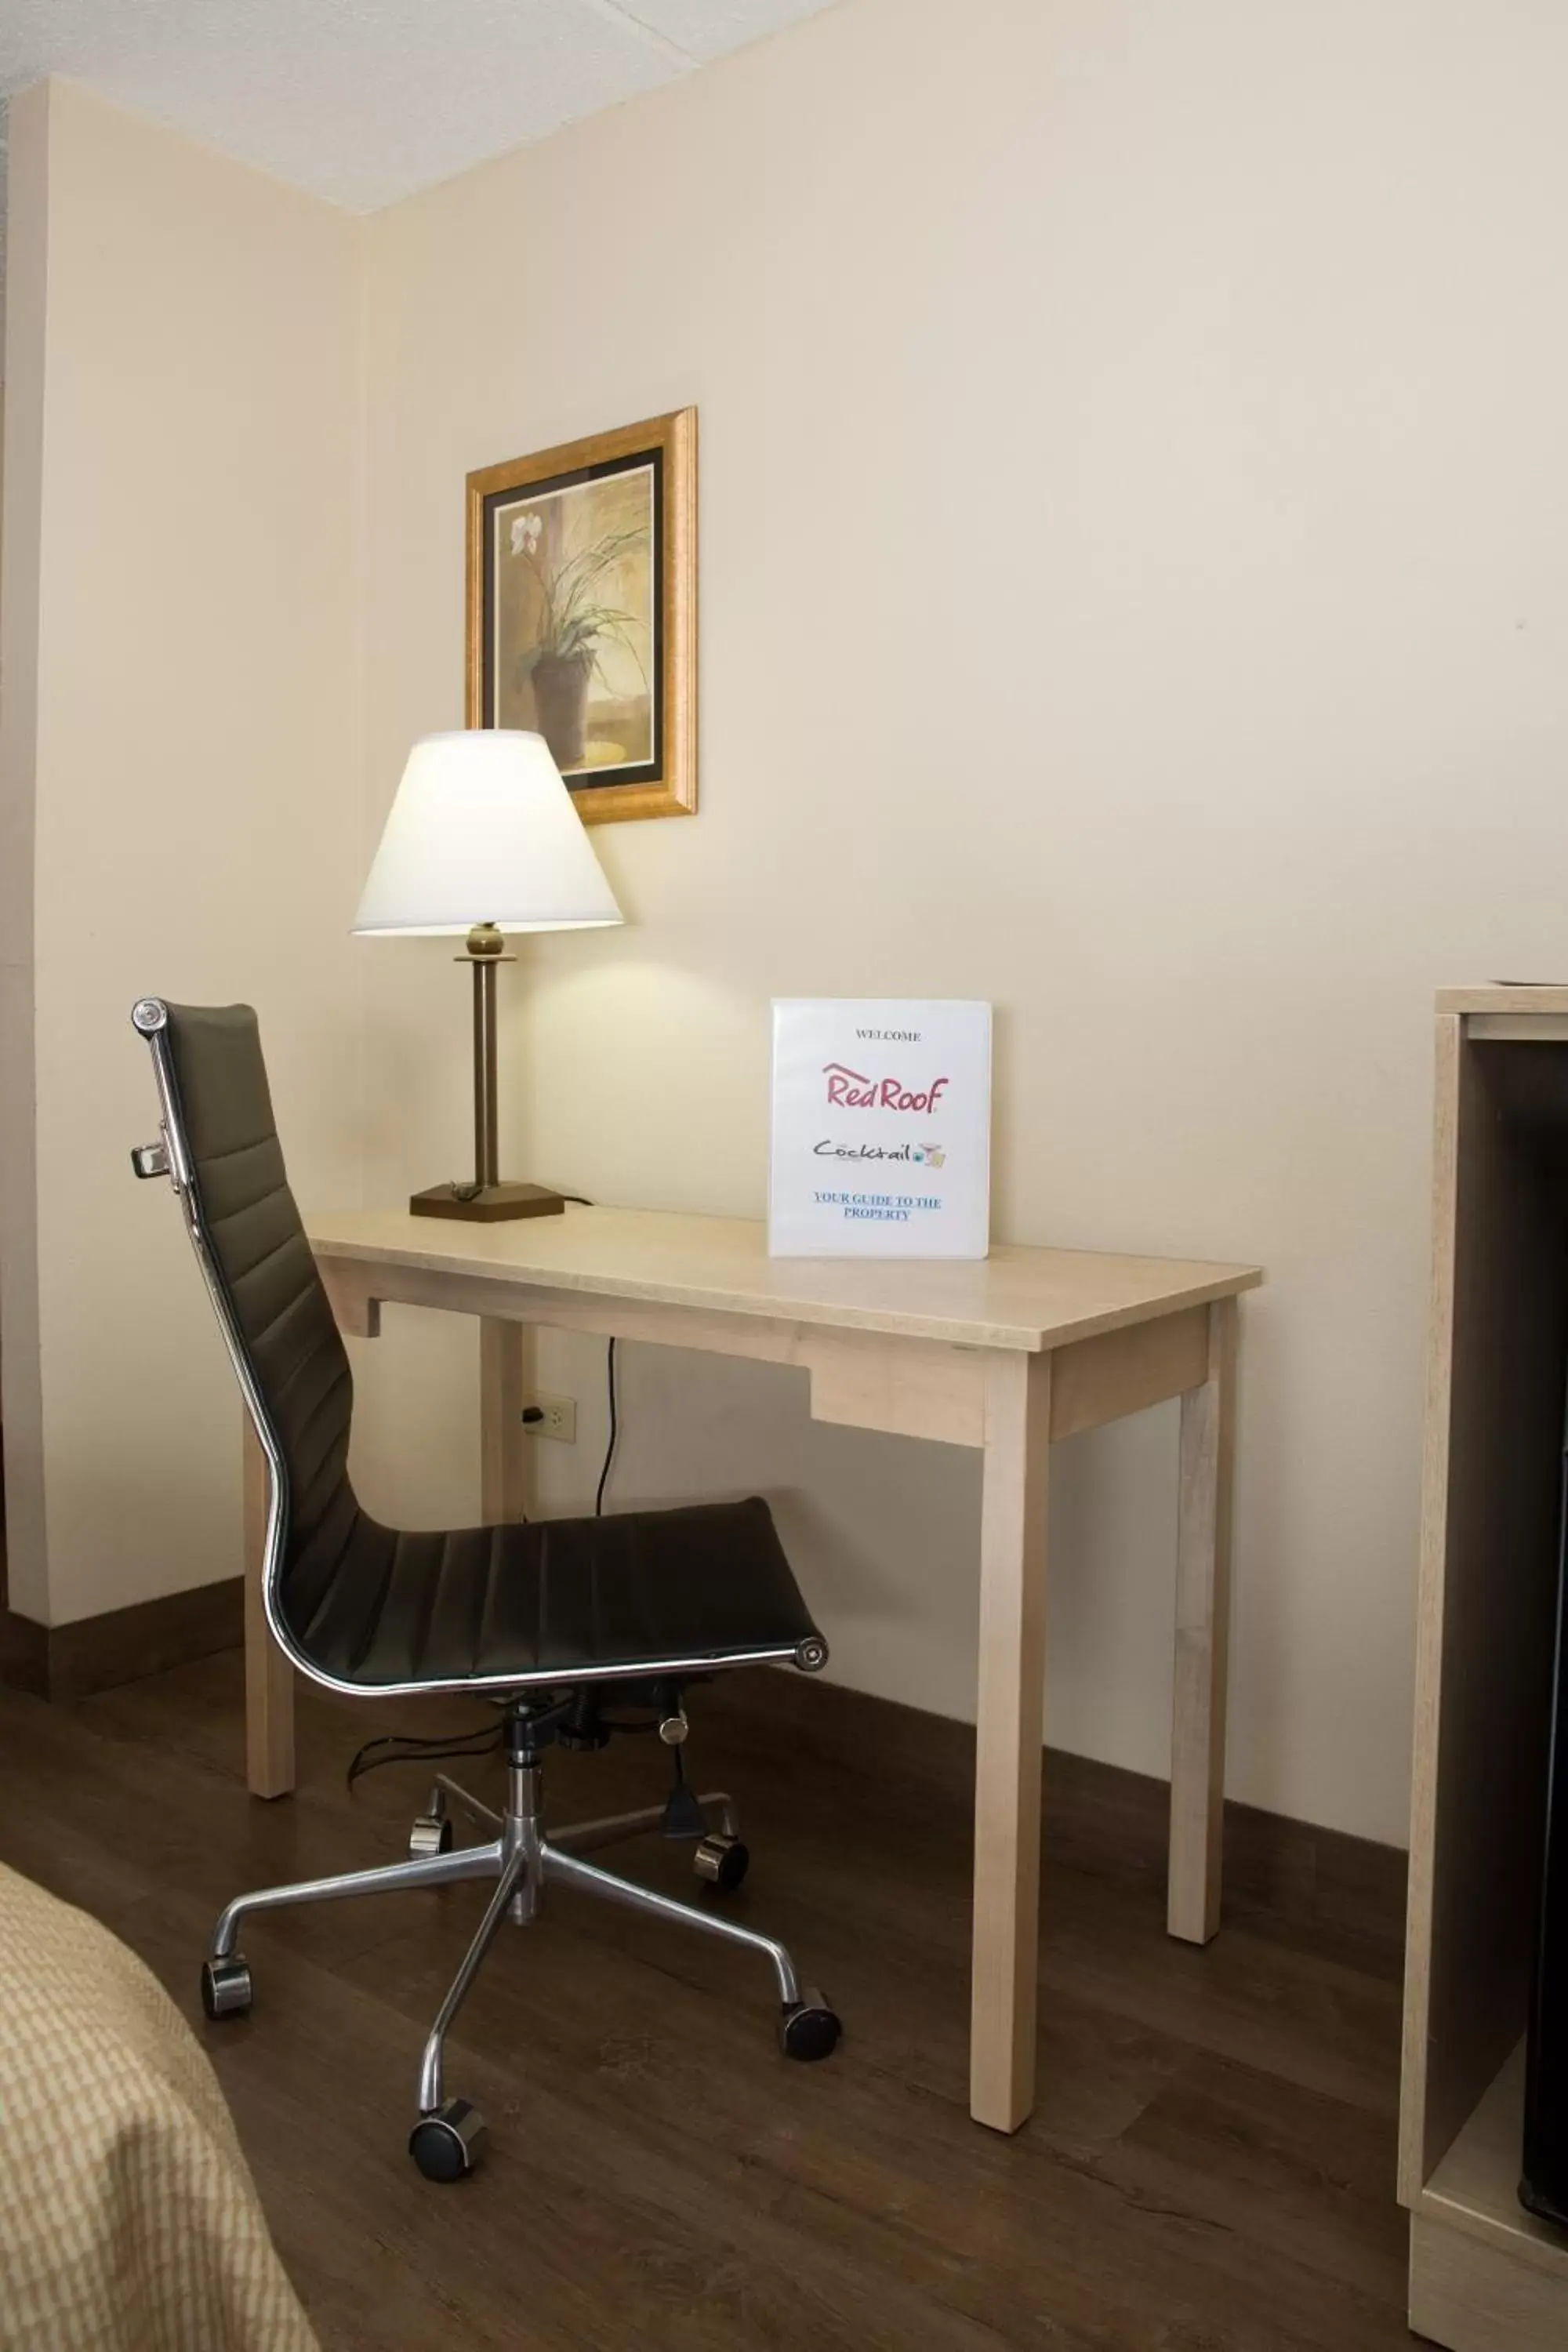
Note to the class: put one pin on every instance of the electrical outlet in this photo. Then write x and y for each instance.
(558, 1418)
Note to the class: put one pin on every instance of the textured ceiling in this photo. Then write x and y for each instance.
(366, 101)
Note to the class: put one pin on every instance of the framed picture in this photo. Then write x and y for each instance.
(583, 612)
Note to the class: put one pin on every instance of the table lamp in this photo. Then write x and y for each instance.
(483, 839)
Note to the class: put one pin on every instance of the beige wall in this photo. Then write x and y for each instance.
(1133, 493)
(1133, 503)
(21, 1392)
(184, 345)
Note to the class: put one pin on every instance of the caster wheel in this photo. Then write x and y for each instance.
(722, 1862)
(225, 1986)
(430, 1835)
(449, 2142)
(809, 2028)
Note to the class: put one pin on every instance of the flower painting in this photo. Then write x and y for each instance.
(575, 622)
(582, 611)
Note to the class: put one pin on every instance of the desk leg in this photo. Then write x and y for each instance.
(1007, 1761)
(1202, 1633)
(268, 1676)
(505, 1361)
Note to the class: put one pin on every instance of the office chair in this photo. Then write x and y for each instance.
(545, 1619)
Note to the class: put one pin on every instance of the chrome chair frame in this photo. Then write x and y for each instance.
(448, 2135)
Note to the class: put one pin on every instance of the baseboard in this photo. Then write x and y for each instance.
(121, 1646)
(1332, 1890)
(24, 1654)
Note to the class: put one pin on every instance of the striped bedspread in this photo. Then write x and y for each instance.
(128, 2221)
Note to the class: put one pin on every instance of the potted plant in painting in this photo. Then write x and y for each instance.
(572, 624)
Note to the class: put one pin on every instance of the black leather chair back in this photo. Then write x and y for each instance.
(362, 1605)
(269, 1272)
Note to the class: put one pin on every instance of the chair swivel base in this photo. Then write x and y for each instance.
(492, 1205)
(449, 2134)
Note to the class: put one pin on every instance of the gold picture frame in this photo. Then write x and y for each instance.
(582, 611)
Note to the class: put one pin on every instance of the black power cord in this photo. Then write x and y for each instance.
(403, 1748)
(615, 1431)
(581, 1200)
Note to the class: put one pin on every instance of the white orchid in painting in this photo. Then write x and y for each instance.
(571, 623)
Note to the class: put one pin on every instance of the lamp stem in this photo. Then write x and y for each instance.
(487, 1199)
(487, 1146)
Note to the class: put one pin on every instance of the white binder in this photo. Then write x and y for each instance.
(881, 1127)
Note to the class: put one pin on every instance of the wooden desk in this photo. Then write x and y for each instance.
(1002, 1355)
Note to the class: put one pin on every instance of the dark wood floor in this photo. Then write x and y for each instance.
(1210, 2169)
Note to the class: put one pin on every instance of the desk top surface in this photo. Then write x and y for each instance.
(1506, 997)
(1030, 1298)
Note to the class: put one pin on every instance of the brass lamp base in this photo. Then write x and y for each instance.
(487, 1200)
(491, 1205)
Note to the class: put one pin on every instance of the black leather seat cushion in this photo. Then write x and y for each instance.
(553, 1596)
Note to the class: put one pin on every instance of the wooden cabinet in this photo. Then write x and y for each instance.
(1484, 2276)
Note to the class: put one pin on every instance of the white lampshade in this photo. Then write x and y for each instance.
(483, 831)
